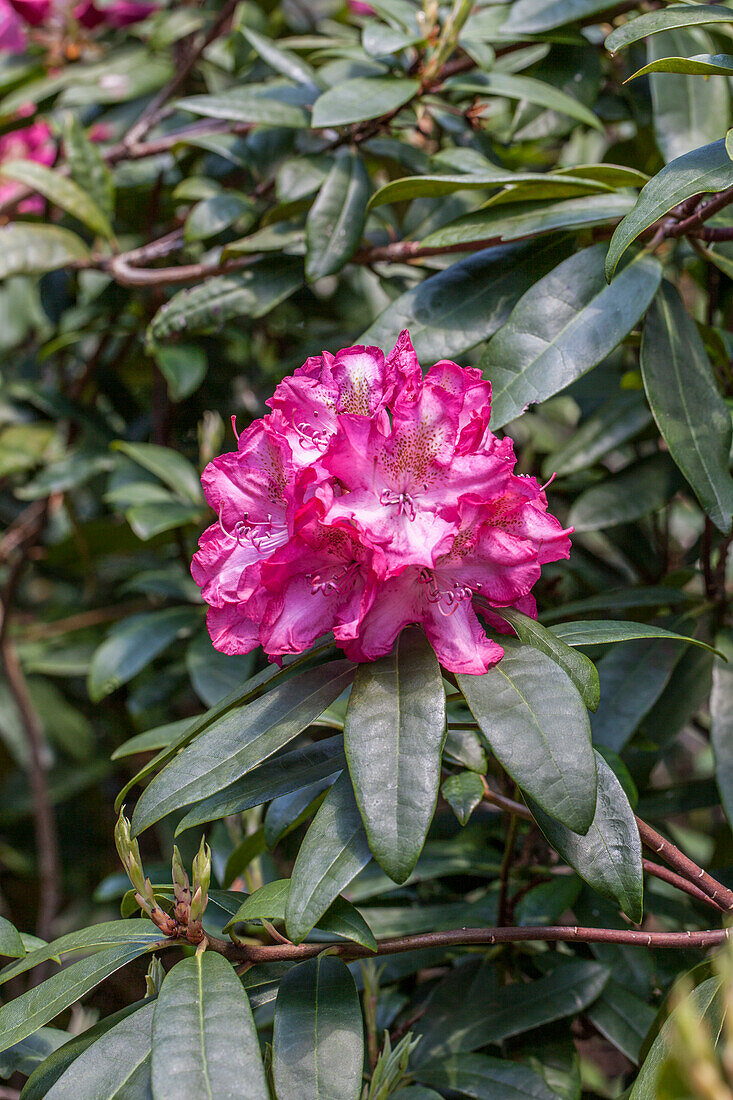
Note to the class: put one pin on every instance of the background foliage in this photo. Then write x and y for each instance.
(540, 188)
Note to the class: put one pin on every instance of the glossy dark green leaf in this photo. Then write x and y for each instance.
(653, 22)
(530, 219)
(608, 631)
(434, 186)
(213, 215)
(209, 305)
(61, 191)
(537, 726)
(333, 852)
(238, 742)
(172, 468)
(617, 420)
(281, 60)
(644, 487)
(115, 1067)
(27, 1055)
(706, 169)
(27, 249)
(535, 16)
(215, 675)
(703, 64)
(287, 812)
(360, 99)
(246, 104)
(705, 1003)
(623, 1018)
(538, 92)
(116, 933)
(184, 368)
(33, 1009)
(318, 1042)
(608, 857)
(463, 792)
(11, 945)
(687, 113)
(204, 1038)
(483, 1077)
(286, 773)
(340, 919)
(550, 340)
(721, 723)
(625, 695)
(393, 737)
(336, 220)
(133, 644)
(687, 406)
(581, 672)
(450, 312)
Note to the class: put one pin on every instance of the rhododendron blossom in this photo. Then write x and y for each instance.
(17, 15)
(368, 499)
(32, 142)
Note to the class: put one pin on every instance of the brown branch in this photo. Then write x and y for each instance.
(666, 875)
(693, 223)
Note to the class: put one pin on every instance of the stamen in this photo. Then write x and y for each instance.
(310, 436)
(405, 503)
(258, 532)
(337, 582)
(447, 599)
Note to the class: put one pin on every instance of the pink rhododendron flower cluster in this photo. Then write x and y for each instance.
(17, 15)
(32, 142)
(368, 499)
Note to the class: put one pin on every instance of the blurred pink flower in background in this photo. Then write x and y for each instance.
(17, 15)
(358, 7)
(32, 142)
(370, 498)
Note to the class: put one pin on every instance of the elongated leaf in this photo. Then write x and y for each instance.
(537, 726)
(116, 933)
(360, 99)
(246, 105)
(623, 1018)
(608, 857)
(290, 772)
(535, 16)
(582, 673)
(393, 737)
(35, 1008)
(607, 631)
(281, 60)
(453, 310)
(59, 190)
(32, 249)
(485, 1078)
(706, 1004)
(133, 644)
(238, 742)
(644, 487)
(333, 852)
(621, 598)
(434, 186)
(204, 1039)
(549, 339)
(336, 220)
(514, 221)
(11, 945)
(617, 420)
(318, 1042)
(670, 18)
(721, 724)
(168, 465)
(703, 64)
(340, 919)
(695, 173)
(88, 167)
(687, 406)
(208, 306)
(115, 1067)
(527, 88)
(463, 792)
(625, 695)
(687, 112)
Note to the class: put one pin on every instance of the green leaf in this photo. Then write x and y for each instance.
(463, 792)
(687, 406)
(27, 249)
(452, 311)
(721, 724)
(535, 16)
(318, 1041)
(360, 99)
(702, 64)
(237, 742)
(168, 465)
(88, 167)
(550, 340)
(208, 306)
(284, 774)
(250, 848)
(340, 919)
(25, 1014)
(116, 933)
(705, 1003)
(215, 675)
(25, 1057)
(132, 644)
(213, 215)
(282, 61)
(607, 631)
(687, 112)
(582, 672)
(333, 852)
(246, 104)
(61, 191)
(435, 186)
(393, 737)
(678, 15)
(336, 220)
(153, 518)
(527, 88)
(625, 695)
(528, 219)
(620, 599)
(617, 420)
(608, 857)
(641, 488)
(204, 1038)
(695, 173)
(183, 366)
(623, 1018)
(11, 944)
(115, 1067)
(537, 726)
(485, 1078)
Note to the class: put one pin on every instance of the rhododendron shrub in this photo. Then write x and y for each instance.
(369, 499)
